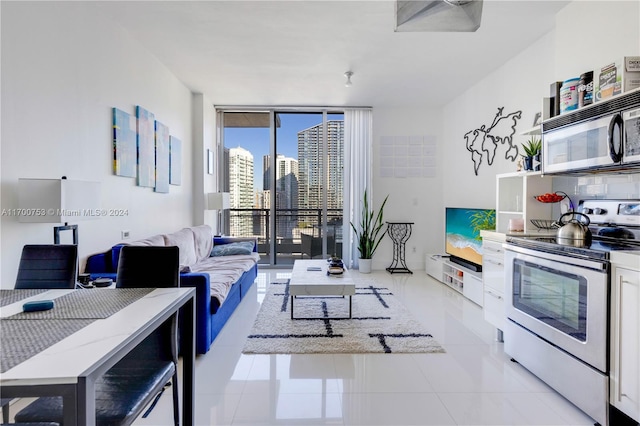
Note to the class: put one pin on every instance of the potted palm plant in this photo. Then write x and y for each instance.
(532, 148)
(368, 234)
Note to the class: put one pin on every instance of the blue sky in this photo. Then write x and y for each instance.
(256, 140)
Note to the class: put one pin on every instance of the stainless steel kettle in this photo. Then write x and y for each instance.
(574, 232)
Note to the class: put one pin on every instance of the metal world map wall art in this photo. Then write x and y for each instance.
(483, 142)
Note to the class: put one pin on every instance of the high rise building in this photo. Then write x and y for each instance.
(241, 187)
(311, 182)
(286, 187)
(240, 178)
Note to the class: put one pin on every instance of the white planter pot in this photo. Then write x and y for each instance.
(364, 266)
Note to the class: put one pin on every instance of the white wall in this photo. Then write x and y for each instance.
(417, 200)
(583, 44)
(63, 69)
(520, 84)
(204, 138)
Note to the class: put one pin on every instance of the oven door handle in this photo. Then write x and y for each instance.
(566, 259)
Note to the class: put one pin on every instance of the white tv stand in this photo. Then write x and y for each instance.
(459, 278)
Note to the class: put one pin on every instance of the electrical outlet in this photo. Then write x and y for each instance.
(125, 234)
(413, 249)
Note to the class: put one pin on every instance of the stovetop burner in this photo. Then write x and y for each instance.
(615, 226)
(596, 249)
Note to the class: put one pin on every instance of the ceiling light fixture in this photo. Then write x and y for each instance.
(348, 74)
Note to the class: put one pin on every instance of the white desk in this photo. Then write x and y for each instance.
(304, 282)
(70, 367)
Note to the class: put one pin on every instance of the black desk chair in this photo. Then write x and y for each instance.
(48, 266)
(4, 403)
(150, 266)
(136, 380)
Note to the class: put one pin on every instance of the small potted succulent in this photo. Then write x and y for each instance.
(532, 149)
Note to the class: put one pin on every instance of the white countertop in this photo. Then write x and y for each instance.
(501, 236)
(626, 259)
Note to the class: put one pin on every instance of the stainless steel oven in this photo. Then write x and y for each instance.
(557, 316)
(557, 304)
(561, 299)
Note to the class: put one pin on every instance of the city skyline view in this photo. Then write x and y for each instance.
(257, 141)
(297, 183)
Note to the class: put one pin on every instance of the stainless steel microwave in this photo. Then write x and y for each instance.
(602, 136)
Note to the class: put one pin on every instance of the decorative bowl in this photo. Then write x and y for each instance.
(544, 223)
(550, 197)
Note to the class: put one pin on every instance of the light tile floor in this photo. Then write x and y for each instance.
(473, 383)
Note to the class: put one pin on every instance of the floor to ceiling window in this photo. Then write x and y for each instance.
(284, 172)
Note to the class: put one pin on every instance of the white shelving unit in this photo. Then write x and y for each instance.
(515, 199)
(452, 276)
(457, 277)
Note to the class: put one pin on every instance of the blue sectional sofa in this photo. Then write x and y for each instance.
(221, 273)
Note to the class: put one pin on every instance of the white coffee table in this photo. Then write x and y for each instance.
(308, 282)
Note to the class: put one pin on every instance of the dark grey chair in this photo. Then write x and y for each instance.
(135, 381)
(148, 266)
(151, 266)
(4, 403)
(312, 246)
(48, 266)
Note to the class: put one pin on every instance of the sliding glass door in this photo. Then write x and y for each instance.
(284, 170)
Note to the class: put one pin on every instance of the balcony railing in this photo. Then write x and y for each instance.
(298, 231)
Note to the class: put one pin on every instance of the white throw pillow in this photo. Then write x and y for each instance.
(203, 237)
(186, 246)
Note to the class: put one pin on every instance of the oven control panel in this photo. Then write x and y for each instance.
(612, 212)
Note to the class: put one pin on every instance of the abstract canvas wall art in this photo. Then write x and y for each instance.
(124, 144)
(162, 158)
(146, 147)
(175, 161)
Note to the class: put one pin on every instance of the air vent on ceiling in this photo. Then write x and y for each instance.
(438, 15)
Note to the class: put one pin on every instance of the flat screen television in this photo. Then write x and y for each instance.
(463, 242)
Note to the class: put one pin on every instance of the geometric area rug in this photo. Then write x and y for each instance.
(380, 323)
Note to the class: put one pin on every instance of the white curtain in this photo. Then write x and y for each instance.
(358, 160)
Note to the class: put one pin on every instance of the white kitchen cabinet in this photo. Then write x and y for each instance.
(625, 341)
(515, 194)
(493, 280)
(472, 287)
